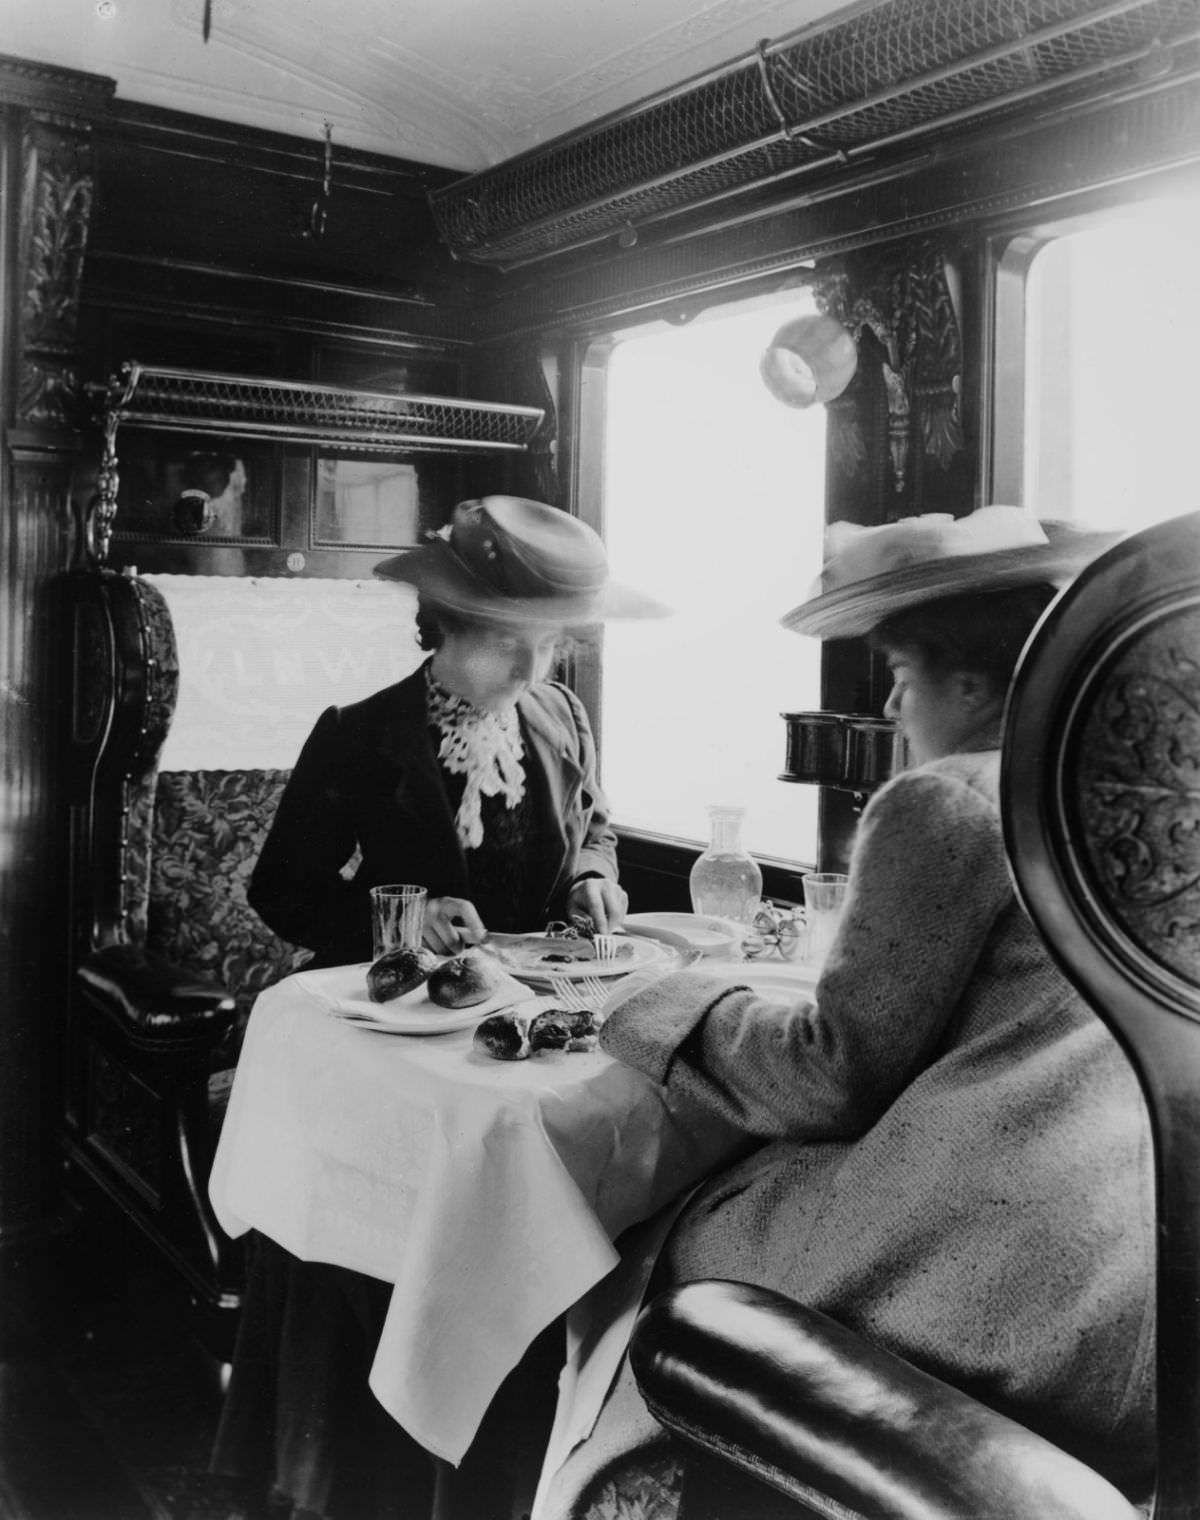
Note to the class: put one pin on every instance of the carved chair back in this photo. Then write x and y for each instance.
(1101, 804)
(166, 855)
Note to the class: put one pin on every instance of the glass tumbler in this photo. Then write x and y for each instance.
(824, 898)
(397, 917)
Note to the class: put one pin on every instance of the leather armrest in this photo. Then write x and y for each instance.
(152, 1003)
(794, 1398)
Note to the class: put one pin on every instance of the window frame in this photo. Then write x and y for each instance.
(648, 859)
(1008, 247)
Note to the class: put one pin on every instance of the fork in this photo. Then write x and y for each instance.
(605, 946)
(583, 996)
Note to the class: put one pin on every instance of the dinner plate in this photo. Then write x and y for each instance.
(536, 958)
(343, 989)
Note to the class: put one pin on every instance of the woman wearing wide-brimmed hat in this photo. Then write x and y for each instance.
(476, 776)
(951, 1154)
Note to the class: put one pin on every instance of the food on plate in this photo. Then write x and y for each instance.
(504, 1037)
(579, 927)
(513, 1036)
(564, 1029)
(465, 980)
(568, 953)
(397, 972)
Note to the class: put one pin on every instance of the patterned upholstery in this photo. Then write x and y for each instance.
(207, 830)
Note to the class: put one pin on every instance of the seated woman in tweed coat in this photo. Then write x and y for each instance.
(953, 1155)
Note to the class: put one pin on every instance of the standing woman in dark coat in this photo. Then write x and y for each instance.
(475, 777)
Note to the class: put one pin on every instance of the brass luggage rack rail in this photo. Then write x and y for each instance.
(293, 411)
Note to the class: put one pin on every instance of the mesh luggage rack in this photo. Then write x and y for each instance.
(243, 406)
(880, 74)
(196, 401)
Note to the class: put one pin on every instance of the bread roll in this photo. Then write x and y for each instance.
(397, 972)
(564, 1029)
(504, 1037)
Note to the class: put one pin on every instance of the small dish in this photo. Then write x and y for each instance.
(777, 981)
(716, 937)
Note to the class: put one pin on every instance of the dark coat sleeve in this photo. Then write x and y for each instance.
(297, 888)
(598, 846)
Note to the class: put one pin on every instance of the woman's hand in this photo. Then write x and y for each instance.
(451, 924)
(602, 900)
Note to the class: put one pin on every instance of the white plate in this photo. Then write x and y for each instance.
(525, 956)
(343, 989)
(711, 936)
(782, 983)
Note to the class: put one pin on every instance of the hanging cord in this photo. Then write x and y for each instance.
(207, 26)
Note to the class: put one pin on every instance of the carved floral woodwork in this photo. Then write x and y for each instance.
(1138, 790)
(56, 206)
(904, 301)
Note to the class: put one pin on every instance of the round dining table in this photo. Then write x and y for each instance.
(489, 1193)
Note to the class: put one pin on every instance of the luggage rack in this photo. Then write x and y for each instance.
(245, 406)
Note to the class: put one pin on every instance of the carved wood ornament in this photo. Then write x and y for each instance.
(904, 301)
(56, 209)
(1139, 790)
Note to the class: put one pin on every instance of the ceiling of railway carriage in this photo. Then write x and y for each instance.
(460, 83)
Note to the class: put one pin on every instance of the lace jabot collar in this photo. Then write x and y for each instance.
(483, 746)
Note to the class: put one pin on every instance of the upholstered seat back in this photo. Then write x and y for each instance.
(166, 855)
(206, 833)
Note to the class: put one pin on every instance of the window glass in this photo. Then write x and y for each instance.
(1112, 334)
(714, 502)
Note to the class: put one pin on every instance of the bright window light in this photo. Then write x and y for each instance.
(1112, 334)
(714, 502)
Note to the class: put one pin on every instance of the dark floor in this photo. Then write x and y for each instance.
(116, 1420)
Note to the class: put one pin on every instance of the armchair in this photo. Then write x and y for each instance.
(785, 1413)
(166, 955)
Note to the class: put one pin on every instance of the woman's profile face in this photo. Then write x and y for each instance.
(491, 666)
(932, 707)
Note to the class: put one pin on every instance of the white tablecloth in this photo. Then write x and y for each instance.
(489, 1193)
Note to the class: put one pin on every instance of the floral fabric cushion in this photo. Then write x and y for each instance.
(208, 829)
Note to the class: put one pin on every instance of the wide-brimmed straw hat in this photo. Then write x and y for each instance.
(506, 559)
(870, 573)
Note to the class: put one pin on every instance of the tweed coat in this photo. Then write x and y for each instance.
(368, 778)
(955, 1154)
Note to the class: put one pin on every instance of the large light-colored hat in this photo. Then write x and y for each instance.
(509, 560)
(870, 573)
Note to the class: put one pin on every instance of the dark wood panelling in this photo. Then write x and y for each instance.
(191, 191)
(203, 256)
(45, 197)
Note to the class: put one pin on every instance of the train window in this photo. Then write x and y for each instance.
(714, 501)
(1095, 404)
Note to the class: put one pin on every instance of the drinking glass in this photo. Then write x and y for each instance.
(824, 897)
(397, 917)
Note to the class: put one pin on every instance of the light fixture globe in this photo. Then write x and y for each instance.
(810, 359)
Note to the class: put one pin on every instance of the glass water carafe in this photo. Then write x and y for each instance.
(726, 881)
